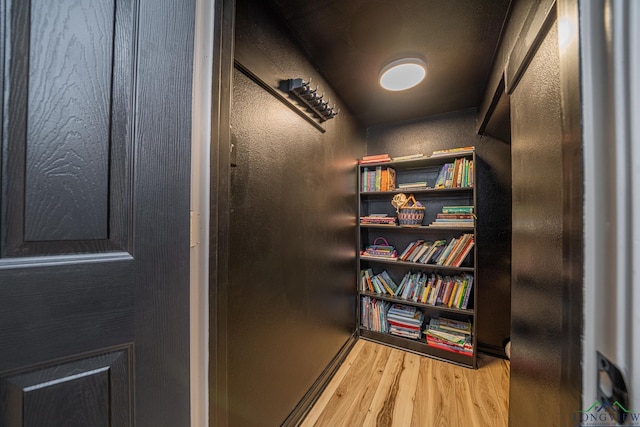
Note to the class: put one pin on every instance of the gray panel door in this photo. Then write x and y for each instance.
(94, 212)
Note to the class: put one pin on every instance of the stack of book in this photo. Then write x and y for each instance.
(378, 219)
(375, 158)
(434, 289)
(378, 179)
(381, 283)
(374, 314)
(454, 216)
(405, 321)
(458, 174)
(452, 151)
(450, 335)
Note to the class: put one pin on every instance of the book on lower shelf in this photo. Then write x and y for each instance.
(374, 314)
(405, 321)
(450, 335)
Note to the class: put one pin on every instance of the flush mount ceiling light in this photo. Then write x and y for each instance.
(402, 74)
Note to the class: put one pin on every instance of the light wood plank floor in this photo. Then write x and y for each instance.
(381, 386)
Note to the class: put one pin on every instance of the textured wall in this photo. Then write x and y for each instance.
(517, 18)
(537, 300)
(493, 199)
(292, 232)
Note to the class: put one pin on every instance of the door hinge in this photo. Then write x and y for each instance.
(195, 229)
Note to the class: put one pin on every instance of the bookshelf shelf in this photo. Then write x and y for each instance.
(419, 347)
(426, 267)
(421, 229)
(429, 191)
(429, 307)
(438, 202)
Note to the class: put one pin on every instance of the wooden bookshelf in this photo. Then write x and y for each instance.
(433, 199)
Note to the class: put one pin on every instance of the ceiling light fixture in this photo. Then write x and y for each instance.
(403, 74)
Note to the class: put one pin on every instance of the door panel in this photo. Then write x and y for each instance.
(72, 307)
(93, 391)
(94, 203)
(68, 100)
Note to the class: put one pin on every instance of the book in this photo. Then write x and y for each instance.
(433, 252)
(450, 151)
(408, 157)
(378, 220)
(457, 261)
(412, 184)
(419, 252)
(442, 176)
(465, 300)
(447, 324)
(457, 249)
(409, 247)
(454, 216)
(388, 179)
(389, 281)
(377, 158)
(457, 209)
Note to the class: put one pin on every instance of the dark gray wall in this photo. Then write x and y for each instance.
(292, 231)
(519, 13)
(537, 300)
(493, 195)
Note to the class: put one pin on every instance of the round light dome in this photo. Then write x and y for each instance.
(403, 74)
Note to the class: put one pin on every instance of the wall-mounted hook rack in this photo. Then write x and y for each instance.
(302, 91)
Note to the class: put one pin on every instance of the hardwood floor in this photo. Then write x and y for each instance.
(382, 386)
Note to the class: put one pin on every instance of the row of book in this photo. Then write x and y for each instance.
(373, 315)
(439, 252)
(432, 289)
(458, 174)
(381, 284)
(378, 179)
(454, 216)
(450, 335)
(407, 322)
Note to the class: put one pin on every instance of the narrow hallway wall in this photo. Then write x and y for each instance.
(292, 231)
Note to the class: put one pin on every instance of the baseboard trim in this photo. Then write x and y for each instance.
(304, 406)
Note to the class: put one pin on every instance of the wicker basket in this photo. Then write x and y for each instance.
(410, 214)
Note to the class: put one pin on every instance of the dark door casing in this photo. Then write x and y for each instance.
(94, 203)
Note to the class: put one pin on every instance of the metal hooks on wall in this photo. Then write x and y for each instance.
(303, 91)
